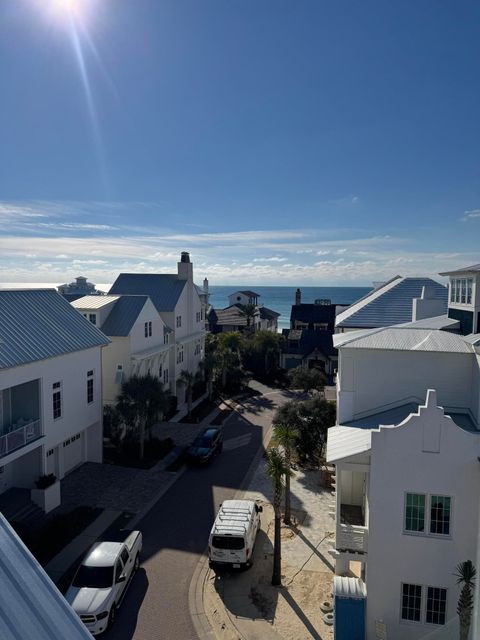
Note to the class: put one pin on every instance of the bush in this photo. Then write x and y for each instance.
(172, 407)
(198, 389)
(306, 379)
(46, 481)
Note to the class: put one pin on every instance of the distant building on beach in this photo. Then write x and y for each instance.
(81, 287)
(244, 314)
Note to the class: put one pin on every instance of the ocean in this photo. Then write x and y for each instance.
(278, 299)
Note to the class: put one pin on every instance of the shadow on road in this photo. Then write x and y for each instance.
(126, 620)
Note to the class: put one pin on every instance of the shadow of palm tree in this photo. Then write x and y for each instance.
(301, 615)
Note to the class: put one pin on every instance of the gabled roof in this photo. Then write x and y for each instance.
(470, 269)
(232, 315)
(248, 293)
(122, 317)
(36, 324)
(164, 289)
(313, 313)
(267, 314)
(404, 339)
(438, 322)
(31, 607)
(390, 303)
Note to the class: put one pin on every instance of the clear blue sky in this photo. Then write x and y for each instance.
(307, 142)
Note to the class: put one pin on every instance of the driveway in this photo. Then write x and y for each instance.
(176, 530)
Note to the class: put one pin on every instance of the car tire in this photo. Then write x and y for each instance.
(111, 617)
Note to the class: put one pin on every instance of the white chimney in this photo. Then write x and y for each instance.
(427, 306)
(185, 267)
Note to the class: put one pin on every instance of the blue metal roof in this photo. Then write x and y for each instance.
(163, 289)
(122, 317)
(31, 607)
(394, 306)
(36, 324)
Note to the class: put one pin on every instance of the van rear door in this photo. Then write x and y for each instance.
(229, 549)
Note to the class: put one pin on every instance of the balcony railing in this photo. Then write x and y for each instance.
(351, 537)
(20, 437)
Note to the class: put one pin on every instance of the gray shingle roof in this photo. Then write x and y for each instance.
(36, 324)
(163, 289)
(122, 317)
(267, 314)
(30, 604)
(393, 306)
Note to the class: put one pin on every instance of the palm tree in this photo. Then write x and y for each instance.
(141, 400)
(188, 380)
(276, 470)
(249, 311)
(465, 574)
(286, 435)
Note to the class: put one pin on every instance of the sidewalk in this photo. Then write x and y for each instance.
(245, 605)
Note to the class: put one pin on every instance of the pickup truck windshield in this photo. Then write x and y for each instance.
(227, 542)
(93, 577)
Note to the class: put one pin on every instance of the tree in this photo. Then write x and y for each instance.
(465, 574)
(249, 311)
(312, 418)
(188, 380)
(306, 379)
(140, 402)
(276, 470)
(286, 435)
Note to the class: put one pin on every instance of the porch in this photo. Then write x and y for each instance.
(20, 422)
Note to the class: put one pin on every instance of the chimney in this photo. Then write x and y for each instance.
(298, 297)
(427, 306)
(185, 267)
(205, 285)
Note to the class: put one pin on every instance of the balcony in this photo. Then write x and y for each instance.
(19, 436)
(351, 537)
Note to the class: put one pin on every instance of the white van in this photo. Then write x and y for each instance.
(233, 534)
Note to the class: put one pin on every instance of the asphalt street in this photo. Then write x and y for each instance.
(175, 531)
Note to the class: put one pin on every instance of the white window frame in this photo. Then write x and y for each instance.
(179, 322)
(91, 379)
(57, 387)
(92, 317)
(428, 516)
(423, 606)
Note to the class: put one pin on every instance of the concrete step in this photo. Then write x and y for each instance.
(30, 515)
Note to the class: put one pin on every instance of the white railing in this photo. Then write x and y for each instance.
(351, 537)
(19, 437)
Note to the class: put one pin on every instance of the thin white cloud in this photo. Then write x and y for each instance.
(470, 214)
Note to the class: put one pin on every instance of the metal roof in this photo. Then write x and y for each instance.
(407, 339)
(93, 302)
(473, 267)
(31, 607)
(267, 314)
(314, 313)
(438, 322)
(164, 289)
(390, 304)
(344, 442)
(472, 338)
(344, 587)
(122, 317)
(248, 293)
(36, 324)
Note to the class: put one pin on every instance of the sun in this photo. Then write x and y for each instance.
(76, 9)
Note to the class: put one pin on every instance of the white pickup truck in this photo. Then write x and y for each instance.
(102, 580)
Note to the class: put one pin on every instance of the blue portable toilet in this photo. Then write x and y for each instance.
(350, 595)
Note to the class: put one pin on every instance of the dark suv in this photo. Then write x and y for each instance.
(206, 446)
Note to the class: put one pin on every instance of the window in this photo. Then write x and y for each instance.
(201, 314)
(411, 602)
(57, 400)
(165, 376)
(179, 321)
(440, 515)
(124, 556)
(119, 374)
(461, 290)
(198, 316)
(118, 570)
(165, 335)
(148, 329)
(50, 452)
(93, 318)
(436, 605)
(415, 512)
(160, 371)
(180, 354)
(89, 386)
(197, 349)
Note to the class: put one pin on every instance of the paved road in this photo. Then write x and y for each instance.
(176, 531)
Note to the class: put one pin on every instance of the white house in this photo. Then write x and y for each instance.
(140, 341)
(406, 450)
(464, 297)
(181, 310)
(50, 387)
(243, 298)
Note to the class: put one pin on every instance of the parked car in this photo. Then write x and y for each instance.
(206, 446)
(233, 535)
(101, 581)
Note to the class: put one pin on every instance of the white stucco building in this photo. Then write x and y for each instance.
(50, 387)
(406, 450)
(178, 334)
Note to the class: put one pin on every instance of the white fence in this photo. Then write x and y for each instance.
(19, 437)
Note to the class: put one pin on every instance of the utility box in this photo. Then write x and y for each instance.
(350, 596)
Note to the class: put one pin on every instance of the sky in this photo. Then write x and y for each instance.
(302, 142)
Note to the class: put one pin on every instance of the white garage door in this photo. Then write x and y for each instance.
(72, 453)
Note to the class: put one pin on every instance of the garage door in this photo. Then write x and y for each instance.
(72, 453)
